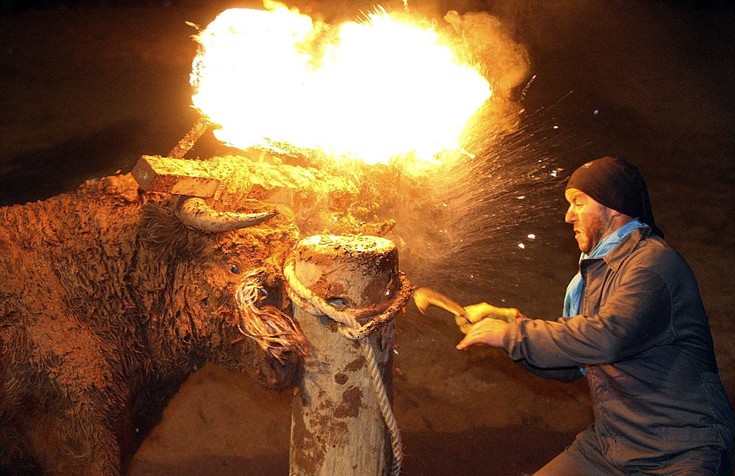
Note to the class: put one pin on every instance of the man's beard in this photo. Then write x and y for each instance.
(591, 235)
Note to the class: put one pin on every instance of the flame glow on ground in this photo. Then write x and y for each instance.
(372, 90)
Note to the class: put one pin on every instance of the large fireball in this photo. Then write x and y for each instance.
(372, 90)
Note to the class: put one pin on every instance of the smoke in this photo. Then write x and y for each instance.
(502, 59)
(471, 223)
(474, 224)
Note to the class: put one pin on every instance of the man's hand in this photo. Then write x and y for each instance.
(487, 331)
(477, 312)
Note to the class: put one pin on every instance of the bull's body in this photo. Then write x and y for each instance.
(107, 304)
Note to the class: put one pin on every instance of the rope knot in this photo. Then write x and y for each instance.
(347, 318)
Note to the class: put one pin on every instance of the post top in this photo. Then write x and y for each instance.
(349, 244)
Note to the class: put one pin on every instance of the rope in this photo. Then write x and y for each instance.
(350, 328)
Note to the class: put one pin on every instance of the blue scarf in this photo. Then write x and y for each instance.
(573, 296)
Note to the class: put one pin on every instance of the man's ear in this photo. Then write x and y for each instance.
(615, 213)
(619, 218)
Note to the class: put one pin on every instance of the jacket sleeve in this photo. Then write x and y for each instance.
(635, 316)
(562, 374)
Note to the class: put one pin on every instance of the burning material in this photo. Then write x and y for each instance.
(372, 90)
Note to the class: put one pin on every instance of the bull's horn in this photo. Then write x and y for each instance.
(195, 213)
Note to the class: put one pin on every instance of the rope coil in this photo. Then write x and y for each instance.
(350, 328)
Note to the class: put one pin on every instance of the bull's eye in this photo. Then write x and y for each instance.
(234, 269)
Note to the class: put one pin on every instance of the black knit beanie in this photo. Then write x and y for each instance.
(616, 184)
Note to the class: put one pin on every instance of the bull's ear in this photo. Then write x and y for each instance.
(196, 213)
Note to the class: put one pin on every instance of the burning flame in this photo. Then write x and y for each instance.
(372, 90)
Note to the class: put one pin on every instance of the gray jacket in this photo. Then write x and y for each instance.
(644, 339)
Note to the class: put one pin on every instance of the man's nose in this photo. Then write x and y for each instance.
(570, 216)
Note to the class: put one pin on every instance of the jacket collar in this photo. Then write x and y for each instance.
(626, 247)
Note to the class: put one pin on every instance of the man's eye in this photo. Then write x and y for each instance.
(234, 269)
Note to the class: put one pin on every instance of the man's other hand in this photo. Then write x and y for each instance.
(487, 331)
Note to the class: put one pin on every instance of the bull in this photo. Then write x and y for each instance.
(110, 298)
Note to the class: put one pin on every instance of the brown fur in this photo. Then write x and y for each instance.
(107, 304)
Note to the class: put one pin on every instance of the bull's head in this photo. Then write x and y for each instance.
(223, 299)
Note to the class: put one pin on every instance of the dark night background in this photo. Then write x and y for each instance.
(86, 87)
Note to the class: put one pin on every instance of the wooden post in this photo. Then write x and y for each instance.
(336, 426)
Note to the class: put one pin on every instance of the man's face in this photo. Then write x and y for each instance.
(592, 221)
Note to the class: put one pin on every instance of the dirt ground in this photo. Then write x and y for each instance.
(86, 89)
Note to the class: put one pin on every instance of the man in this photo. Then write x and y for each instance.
(635, 326)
